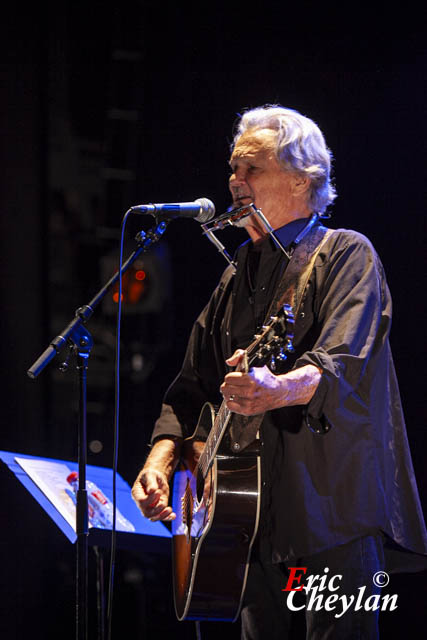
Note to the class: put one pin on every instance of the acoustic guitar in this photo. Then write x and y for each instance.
(216, 498)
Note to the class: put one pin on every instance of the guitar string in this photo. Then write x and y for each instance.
(222, 419)
(223, 416)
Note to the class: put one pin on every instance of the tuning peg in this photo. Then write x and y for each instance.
(282, 355)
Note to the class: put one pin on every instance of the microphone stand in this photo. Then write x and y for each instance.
(80, 340)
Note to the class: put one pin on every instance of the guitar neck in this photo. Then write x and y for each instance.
(214, 438)
(218, 429)
(274, 340)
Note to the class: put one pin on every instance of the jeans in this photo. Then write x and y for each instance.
(265, 612)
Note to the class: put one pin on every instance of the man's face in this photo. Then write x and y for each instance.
(257, 177)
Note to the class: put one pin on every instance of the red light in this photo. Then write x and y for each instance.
(135, 291)
(116, 297)
(140, 274)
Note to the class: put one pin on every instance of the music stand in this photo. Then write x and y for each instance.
(37, 473)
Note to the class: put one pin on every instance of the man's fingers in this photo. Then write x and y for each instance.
(237, 378)
(242, 387)
(151, 481)
(153, 500)
(238, 404)
(165, 515)
(151, 494)
(235, 358)
(155, 506)
(237, 384)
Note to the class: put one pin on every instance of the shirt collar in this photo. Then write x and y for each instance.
(285, 234)
(289, 232)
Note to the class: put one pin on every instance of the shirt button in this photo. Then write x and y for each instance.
(236, 446)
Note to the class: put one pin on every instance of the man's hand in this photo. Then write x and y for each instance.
(151, 488)
(259, 390)
(151, 493)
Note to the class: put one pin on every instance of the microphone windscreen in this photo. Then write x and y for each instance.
(207, 211)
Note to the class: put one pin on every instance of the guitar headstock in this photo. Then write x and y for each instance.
(274, 341)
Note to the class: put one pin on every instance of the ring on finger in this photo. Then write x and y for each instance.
(231, 398)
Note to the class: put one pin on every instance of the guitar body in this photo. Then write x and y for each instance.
(216, 523)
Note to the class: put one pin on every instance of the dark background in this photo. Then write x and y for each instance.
(103, 107)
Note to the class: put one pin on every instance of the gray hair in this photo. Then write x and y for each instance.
(300, 147)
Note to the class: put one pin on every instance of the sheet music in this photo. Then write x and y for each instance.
(51, 478)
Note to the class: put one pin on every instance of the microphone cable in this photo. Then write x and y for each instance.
(116, 432)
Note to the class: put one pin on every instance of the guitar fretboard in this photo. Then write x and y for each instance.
(216, 433)
(267, 342)
(214, 438)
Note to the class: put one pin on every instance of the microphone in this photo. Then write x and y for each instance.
(201, 209)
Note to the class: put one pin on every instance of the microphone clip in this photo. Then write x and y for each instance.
(145, 239)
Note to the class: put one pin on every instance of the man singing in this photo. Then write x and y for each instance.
(338, 484)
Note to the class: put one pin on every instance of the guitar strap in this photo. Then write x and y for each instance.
(291, 289)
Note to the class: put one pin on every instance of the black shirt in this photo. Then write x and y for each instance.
(260, 268)
(321, 490)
